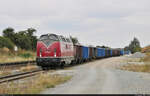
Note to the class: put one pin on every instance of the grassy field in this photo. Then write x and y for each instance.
(136, 68)
(34, 86)
(147, 58)
(20, 55)
(139, 67)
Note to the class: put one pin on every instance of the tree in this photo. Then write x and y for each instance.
(6, 42)
(9, 33)
(126, 48)
(31, 31)
(134, 46)
(22, 40)
(33, 39)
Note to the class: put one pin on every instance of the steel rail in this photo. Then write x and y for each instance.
(17, 63)
(17, 76)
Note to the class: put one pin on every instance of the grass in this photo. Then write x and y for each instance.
(4, 73)
(136, 68)
(133, 60)
(20, 55)
(146, 58)
(34, 86)
(28, 68)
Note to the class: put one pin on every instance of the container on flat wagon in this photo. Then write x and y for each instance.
(85, 52)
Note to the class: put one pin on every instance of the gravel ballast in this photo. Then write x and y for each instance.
(137, 55)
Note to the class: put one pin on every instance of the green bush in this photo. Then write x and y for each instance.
(6, 42)
(25, 55)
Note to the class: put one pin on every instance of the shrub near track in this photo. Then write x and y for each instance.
(20, 55)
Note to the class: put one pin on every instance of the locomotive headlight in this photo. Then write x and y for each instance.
(55, 52)
(40, 52)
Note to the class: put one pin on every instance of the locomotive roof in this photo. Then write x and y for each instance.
(49, 34)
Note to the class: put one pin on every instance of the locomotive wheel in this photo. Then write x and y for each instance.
(73, 63)
(62, 65)
(54, 66)
(44, 68)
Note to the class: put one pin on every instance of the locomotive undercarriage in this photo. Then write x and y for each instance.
(47, 63)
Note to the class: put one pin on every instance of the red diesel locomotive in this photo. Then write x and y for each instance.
(54, 50)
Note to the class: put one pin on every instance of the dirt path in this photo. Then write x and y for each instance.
(102, 77)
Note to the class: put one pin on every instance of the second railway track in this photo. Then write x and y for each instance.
(18, 76)
(17, 63)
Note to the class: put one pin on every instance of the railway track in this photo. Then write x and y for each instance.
(17, 63)
(23, 75)
(18, 76)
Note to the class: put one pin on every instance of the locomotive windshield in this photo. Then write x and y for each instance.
(53, 37)
(44, 37)
(49, 39)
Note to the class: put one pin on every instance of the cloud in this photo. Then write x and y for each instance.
(99, 22)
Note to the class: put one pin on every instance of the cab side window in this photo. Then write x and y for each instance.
(62, 38)
(68, 40)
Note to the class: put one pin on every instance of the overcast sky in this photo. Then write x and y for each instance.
(112, 23)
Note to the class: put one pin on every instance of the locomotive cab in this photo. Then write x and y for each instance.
(53, 50)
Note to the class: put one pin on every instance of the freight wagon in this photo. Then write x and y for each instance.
(121, 52)
(85, 53)
(100, 52)
(78, 54)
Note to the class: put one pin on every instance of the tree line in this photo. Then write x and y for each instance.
(27, 40)
(134, 46)
(22, 39)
